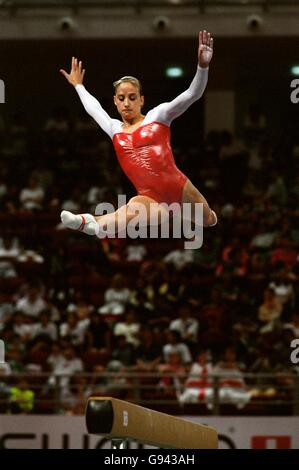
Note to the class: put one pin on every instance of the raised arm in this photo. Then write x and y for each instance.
(90, 103)
(176, 107)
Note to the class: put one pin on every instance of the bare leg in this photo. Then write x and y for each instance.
(146, 208)
(192, 195)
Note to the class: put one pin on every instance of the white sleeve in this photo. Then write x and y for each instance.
(166, 112)
(95, 110)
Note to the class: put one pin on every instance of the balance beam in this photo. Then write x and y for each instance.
(118, 419)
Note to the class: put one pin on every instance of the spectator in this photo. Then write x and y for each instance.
(30, 256)
(173, 377)
(32, 196)
(186, 325)
(9, 248)
(64, 369)
(21, 398)
(277, 191)
(56, 357)
(80, 391)
(282, 287)
(116, 297)
(45, 329)
(21, 327)
(14, 351)
(284, 254)
(9, 253)
(235, 259)
(213, 325)
(232, 385)
(174, 344)
(199, 384)
(73, 329)
(180, 258)
(265, 235)
(32, 303)
(97, 333)
(135, 252)
(271, 308)
(122, 352)
(128, 328)
(148, 353)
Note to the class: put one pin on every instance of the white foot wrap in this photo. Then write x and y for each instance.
(84, 222)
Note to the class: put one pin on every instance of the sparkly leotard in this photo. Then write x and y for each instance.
(145, 155)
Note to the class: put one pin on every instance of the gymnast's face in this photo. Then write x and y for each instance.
(128, 101)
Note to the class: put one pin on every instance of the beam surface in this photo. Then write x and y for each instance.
(120, 419)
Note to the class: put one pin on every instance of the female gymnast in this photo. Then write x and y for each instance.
(142, 145)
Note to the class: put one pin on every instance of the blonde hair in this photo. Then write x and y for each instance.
(130, 79)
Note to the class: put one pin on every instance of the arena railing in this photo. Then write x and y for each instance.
(270, 394)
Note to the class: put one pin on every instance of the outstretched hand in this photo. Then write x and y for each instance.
(205, 49)
(75, 77)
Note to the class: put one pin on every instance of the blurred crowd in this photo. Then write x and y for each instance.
(71, 304)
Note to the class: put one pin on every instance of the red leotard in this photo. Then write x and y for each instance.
(146, 157)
